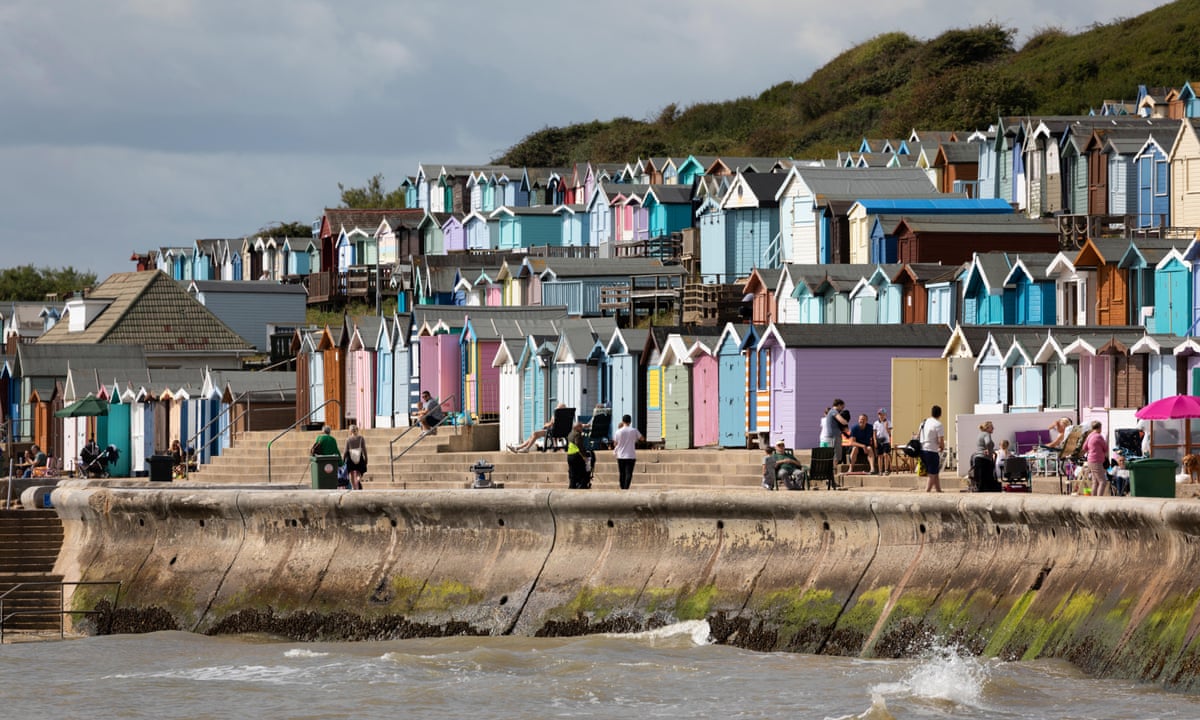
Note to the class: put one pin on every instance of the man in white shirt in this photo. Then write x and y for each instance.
(933, 441)
(625, 441)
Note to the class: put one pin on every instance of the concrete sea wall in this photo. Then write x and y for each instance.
(1109, 584)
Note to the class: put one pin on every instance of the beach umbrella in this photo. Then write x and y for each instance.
(1175, 407)
(90, 406)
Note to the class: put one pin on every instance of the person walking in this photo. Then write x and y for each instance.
(355, 458)
(933, 441)
(625, 441)
(1095, 449)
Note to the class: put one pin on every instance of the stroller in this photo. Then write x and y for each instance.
(1129, 442)
(94, 463)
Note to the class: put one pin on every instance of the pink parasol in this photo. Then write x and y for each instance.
(1175, 407)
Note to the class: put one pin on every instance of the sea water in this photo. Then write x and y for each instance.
(675, 672)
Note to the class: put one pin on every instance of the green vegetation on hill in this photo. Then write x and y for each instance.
(885, 87)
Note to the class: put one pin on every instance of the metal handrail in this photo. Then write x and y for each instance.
(293, 426)
(62, 612)
(393, 457)
(197, 434)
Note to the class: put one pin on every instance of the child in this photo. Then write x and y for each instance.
(1001, 456)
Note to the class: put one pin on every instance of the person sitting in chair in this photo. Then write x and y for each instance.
(1062, 427)
(783, 466)
(37, 459)
(178, 459)
(531, 441)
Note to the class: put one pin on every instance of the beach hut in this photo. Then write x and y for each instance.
(758, 385)
(576, 374)
(807, 366)
(115, 429)
(652, 364)
(706, 392)
(506, 362)
(360, 371)
(731, 386)
(676, 393)
(626, 384)
(534, 367)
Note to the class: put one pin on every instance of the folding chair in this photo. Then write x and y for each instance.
(598, 431)
(821, 468)
(556, 436)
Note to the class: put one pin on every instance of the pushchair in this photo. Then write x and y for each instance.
(94, 464)
(1129, 442)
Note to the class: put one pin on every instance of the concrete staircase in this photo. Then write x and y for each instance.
(30, 541)
(443, 461)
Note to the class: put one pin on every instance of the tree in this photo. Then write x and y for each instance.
(372, 197)
(286, 229)
(28, 284)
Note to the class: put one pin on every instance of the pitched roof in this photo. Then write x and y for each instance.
(245, 287)
(152, 310)
(850, 335)
(37, 359)
(850, 184)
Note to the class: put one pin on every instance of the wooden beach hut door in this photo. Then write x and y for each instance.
(783, 400)
(705, 401)
(1110, 296)
(677, 395)
(731, 389)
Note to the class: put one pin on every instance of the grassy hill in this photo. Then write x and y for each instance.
(962, 79)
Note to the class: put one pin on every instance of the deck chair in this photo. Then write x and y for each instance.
(598, 432)
(1070, 455)
(556, 436)
(821, 469)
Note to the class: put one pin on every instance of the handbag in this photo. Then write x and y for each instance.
(913, 448)
(355, 455)
(921, 467)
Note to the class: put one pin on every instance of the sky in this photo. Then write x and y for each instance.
(128, 125)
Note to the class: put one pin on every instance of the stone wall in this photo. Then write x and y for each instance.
(1106, 583)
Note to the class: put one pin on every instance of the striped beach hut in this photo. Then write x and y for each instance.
(758, 386)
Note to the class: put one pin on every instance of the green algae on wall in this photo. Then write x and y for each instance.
(414, 595)
(797, 613)
(595, 602)
(697, 604)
